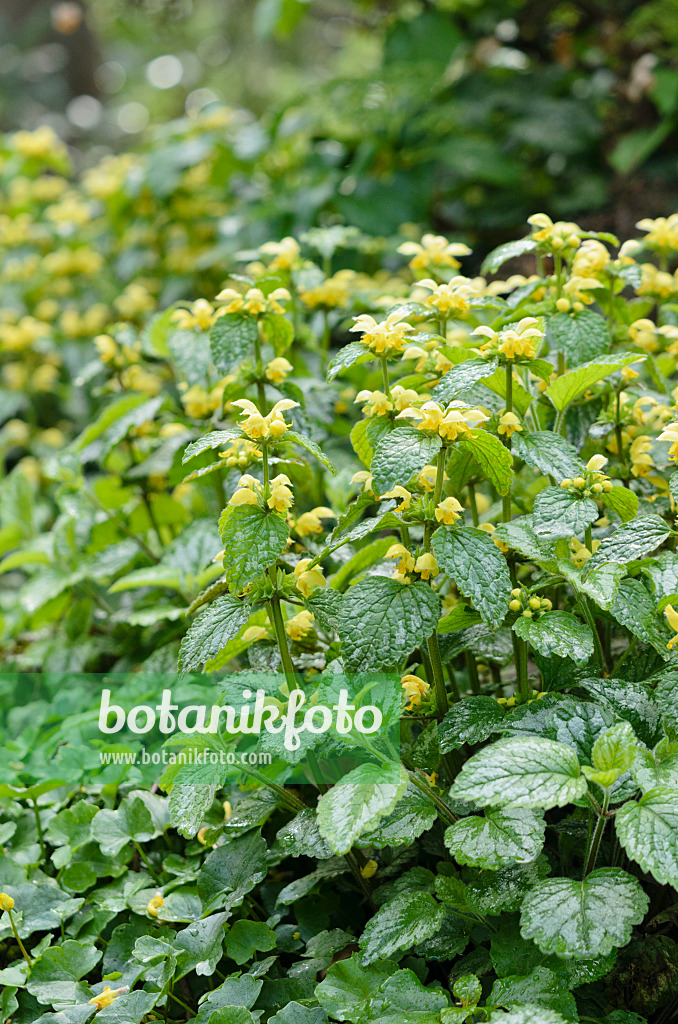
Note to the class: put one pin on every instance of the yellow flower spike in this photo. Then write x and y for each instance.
(426, 566)
(448, 511)
(106, 996)
(509, 424)
(278, 369)
(401, 494)
(154, 904)
(415, 689)
(369, 869)
(451, 298)
(672, 619)
(300, 625)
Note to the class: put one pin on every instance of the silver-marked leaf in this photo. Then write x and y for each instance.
(502, 837)
(219, 623)
(232, 339)
(188, 806)
(586, 918)
(631, 541)
(217, 439)
(542, 987)
(550, 453)
(412, 815)
(461, 378)
(380, 621)
(470, 720)
(231, 871)
(311, 447)
(253, 539)
(580, 336)
(404, 921)
(558, 633)
(557, 513)
(507, 251)
(401, 454)
(348, 987)
(521, 771)
(358, 802)
(648, 831)
(622, 501)
(473, 561)
(350, 355)
(635, 609)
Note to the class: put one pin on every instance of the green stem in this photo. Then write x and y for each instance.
(38, 825)
(588, 538)
(18, 940)
(145, 859)
(264, 463)
(591, 623)
(472, 672)
(629, 650)
(442, 701)
(520, 657)
(384, 374)
(437, 495)
(473, 503)
(509, 387)
(350, 859)
(261, 389)
(279, 626)
(289, 799)
(597, 836)
(444, 811)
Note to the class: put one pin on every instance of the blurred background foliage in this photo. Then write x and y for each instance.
(466, 115)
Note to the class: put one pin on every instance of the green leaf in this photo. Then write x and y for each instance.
(412, 815)
(295, 1013)
(348, 987)
(358, 802)
(381, 621)
(310, 446)
(542, 987)
(468, 989)
(350, 355)
(648, 831)
(42, 906)
(367, 434)
(247, 937)
(231, 871)
(188, 806)
(116, 411)
(549, 453)
(635, 609)
(54, 976)
(526, 1015)
(557, 513)
(500, 838)
(232, 339)
(277, 331)
(473, 561)
(403, 922)
(507, 251)
(461, 378)
(217, 439)
(300, 837)
(219, 623)
(580, 336)
(114, 829)
(521, 771)
(201, 944)
(583, 919)
(557, 633)
(471, 720)
(614, 753)
(602, 584)
(622, 501)
(570, 385)
(519, 535)
(402, 999)
(253, 539)
(493, 457)
(631, 541)
(401, 454)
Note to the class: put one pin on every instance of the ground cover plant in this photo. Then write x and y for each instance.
(310, 472)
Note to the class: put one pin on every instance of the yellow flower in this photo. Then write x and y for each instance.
(244, 496)
(197, 403)
(136, 378)
(381, 338)
(596, 463)
(459, 421)
(6, 901)
(332, 292)
(509, 424)
(406, 563)
(490, 528)
(286, 253)
(590, 258)
(401, 494)
(277, 370)
(662, 233)
(106, 348)
(628, 373)
(430, 415)
(448, 511)
(310, 522)
(403, 397)
(377, 403)
(426, 566)
(554, 236)
(201, 314)
(281, 497)
(670, 433)
(258, 427)
(228, 810)
(415, 689)
(672, 619)
(519, 342)
(106, 997)
(451, 298)
(300, 625)
(154, 905)
(369, 869)
(433, 251)
(639, 453)
(253, 634)
(308, 580)
(427, 478)
(364, 477)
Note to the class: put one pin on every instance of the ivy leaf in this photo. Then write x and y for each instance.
(380, 621)
(648, 831)
(471, 720)
(461, 378)
(550, 453)
(232, 339)
(348, 987)
(557, 513)
(114, 829)
(358, 802)
(401, 454)
(404, 921)
(622, 501)
(570, 385)
(502, 837)
(583, 919)
(631, 541)
(473, 561)
(521, 771)
(493, 458)
(253, 539)
(219, 623)
(350, 355)
(580, 336)
(231, 871)
(54, 976)
(507, 251)
(558, 633)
